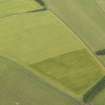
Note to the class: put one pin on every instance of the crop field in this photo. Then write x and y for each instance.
(69, 69)
(86, 18)
(14, 7)
(58, 42)
(30, 42)
(26, 37)
(21, 87)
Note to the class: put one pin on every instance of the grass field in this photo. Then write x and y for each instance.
(37, 38)
(77, 71)
(86, 18)
(29, 38)
(13, 7)
(19, 86)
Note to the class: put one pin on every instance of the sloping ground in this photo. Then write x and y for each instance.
(13, 7)
(86, 18)
(19, 86)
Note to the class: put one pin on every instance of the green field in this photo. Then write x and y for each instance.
(50, 43)
(19, 86)
(14, 7)
(29, 38)
(86, 18)
(76, 71)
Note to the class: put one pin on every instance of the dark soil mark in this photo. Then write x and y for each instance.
(38, 10)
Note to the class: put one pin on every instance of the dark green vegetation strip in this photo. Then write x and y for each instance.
(41, 2)
(99, 99)
(19, 86)
(95, 90)
(76, 71)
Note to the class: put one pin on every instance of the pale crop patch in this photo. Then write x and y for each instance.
(17, 103)
(101, 4)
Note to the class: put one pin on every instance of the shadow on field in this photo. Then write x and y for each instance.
(32, 11)
(38, 10)
(41, 2)
(100, 52)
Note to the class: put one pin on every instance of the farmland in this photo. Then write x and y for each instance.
(86, 19)
(32, 43)
(51, 52)
(100, 98)
(67, 71)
